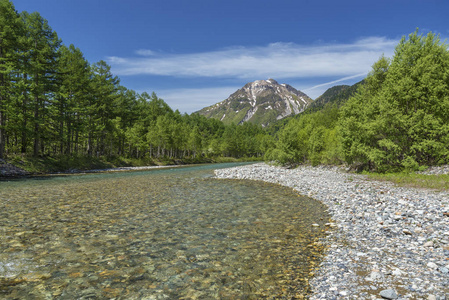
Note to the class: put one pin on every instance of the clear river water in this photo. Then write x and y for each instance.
(174, 233)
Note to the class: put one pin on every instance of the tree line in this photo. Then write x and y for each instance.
(54, 102)
(398, 118)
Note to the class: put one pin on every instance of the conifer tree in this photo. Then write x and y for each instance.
(10, 30)
(71, 97)
(104, 86)
(42, 44)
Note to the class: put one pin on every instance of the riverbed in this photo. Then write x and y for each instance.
(392, 242)
(174, 233)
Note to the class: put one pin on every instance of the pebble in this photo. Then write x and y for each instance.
(389, 294)
(432, 265)
(428, 244)
(437, 170)
(393, 226)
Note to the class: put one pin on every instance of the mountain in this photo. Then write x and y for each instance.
(261, 102)
(337, 95)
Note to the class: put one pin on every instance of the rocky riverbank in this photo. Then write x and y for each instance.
(9, 170)
(391, 242)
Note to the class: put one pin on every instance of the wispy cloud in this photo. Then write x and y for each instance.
(145, 52)
(335, 81)
(276, 60)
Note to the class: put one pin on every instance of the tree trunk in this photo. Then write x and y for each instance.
(36, 127)
(61, 129)
(77, 133)
(25, 118)
(2, 115)
(89, 138)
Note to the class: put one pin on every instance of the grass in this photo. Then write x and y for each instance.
(434, 182)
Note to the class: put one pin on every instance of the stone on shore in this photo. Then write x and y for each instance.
(389, 294)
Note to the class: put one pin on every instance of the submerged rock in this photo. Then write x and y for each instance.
(167, 234)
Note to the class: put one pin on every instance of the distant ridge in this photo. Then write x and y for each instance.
(337, 95)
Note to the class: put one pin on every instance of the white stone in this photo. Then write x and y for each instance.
(397, 272)
(428, 244)
(432, 265)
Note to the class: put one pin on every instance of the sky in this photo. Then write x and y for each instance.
(195, 53)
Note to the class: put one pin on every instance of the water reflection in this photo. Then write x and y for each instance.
(165, 234)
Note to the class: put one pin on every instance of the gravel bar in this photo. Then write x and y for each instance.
(390, 242)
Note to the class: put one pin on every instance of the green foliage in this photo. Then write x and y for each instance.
(399, 118)
(11, 29)
(312, 138)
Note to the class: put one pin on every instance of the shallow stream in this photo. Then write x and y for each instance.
(171, 233)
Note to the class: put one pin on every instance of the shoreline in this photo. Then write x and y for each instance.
(390, 242)
(119, 169)
(13, 172)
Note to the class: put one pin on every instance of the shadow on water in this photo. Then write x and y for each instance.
(172, 233)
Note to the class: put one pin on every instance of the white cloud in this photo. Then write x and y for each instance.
(277, 60)
(145, 52)
(191, 100)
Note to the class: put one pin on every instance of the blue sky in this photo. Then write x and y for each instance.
(195, 53)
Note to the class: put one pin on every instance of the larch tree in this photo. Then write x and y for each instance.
(42, 44)
(10, 30)
(69, 105)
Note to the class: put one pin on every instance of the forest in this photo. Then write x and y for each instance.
(53, 102)
(398, 119)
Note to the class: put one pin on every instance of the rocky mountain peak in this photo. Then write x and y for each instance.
(261, 102)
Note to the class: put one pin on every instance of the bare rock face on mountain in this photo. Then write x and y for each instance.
(261, 102)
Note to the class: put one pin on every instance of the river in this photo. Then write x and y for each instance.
(174, 233)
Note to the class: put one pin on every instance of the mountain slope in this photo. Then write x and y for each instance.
(261, 102)
(337, 95)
